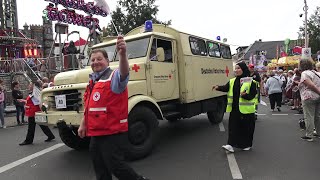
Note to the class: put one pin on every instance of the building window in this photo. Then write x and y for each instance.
(49, 30)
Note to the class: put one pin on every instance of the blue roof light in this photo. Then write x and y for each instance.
(148, 26)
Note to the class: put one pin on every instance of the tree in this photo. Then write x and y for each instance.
(313, 26)
(130, 14)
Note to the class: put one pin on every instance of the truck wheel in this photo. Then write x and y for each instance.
(143, 132)
(69, 136)
(172, 120)
(216, 116)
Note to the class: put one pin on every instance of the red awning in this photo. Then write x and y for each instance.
(79, 42)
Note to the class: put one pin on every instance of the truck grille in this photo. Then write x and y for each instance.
(73, 99)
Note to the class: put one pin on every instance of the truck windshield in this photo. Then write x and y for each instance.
(135, 49)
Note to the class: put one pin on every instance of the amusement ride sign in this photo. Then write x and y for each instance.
(69, 15)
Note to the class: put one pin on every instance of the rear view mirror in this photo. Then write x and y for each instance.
(160, 54)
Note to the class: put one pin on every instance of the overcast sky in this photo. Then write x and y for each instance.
(240, 21)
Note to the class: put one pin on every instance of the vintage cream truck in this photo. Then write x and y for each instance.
(171, 77)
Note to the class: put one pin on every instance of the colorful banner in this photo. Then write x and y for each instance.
(71, 17)
(88, 8)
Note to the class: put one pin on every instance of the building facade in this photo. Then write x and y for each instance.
(43, 34)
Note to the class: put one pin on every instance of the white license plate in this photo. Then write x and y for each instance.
(61, 101)
(41, 119)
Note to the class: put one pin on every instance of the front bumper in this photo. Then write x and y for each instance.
(70, 117)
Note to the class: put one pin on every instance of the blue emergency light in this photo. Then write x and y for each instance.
(148, 26)
(218, 38)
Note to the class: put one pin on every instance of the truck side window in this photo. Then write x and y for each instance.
(198, 46)
(153, 52)
(213, 49)
(225, 51)
(167, 47)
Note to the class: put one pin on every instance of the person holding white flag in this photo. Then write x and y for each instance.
(32, 105)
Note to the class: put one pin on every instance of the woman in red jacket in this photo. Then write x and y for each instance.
(31, 107)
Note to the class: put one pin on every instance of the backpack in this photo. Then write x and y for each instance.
(284, 84)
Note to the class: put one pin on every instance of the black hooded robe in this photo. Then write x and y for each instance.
(241, 126)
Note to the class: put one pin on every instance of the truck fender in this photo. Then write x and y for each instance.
(145, 101)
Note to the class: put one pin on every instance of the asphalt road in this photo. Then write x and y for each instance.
(189, 149)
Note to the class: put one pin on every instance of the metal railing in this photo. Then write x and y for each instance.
(69, 62)
(52, 64)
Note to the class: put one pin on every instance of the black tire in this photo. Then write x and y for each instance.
(69, 136)
(216, 116)
(143, 132)
(172, 120)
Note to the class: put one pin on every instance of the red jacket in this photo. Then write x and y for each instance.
(106, 113)
(31, 109)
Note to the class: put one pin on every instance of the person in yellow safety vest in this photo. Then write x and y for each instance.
(241, 105)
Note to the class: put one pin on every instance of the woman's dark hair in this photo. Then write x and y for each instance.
(102, 51)
(306, 64)
(37, 84)
(14, 84)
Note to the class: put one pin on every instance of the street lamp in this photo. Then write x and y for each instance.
(305, 8)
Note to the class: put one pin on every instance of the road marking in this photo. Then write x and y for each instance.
(233, 165)
(280, 114)
(263, 103)
(28, 158)
(298, 114)
(261, 114)
(221, 127)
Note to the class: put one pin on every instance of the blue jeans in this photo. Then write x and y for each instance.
(20, 109)
(2, 113)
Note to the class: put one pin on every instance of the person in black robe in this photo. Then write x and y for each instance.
(71, 51)
(241, 126)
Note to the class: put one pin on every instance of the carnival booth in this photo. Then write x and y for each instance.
(285, 63)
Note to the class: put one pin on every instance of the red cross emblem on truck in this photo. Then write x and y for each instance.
(227, 71)
(135, 67)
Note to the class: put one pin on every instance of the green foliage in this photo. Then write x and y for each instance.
(313, 26)
(130, 14)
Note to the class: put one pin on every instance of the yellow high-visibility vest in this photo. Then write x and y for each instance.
(245, 106)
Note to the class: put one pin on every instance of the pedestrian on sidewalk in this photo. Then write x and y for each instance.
(17, 94)
(274, 88)
(43, 69)
(282, 76)
(256, 76)
(241, 104)
(295, 90)
(32, 106)
(107, 91)
(310, 95)
(2, 101)
(4, 89)
(288, 88)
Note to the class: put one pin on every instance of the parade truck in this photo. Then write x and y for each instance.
(172, 75)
